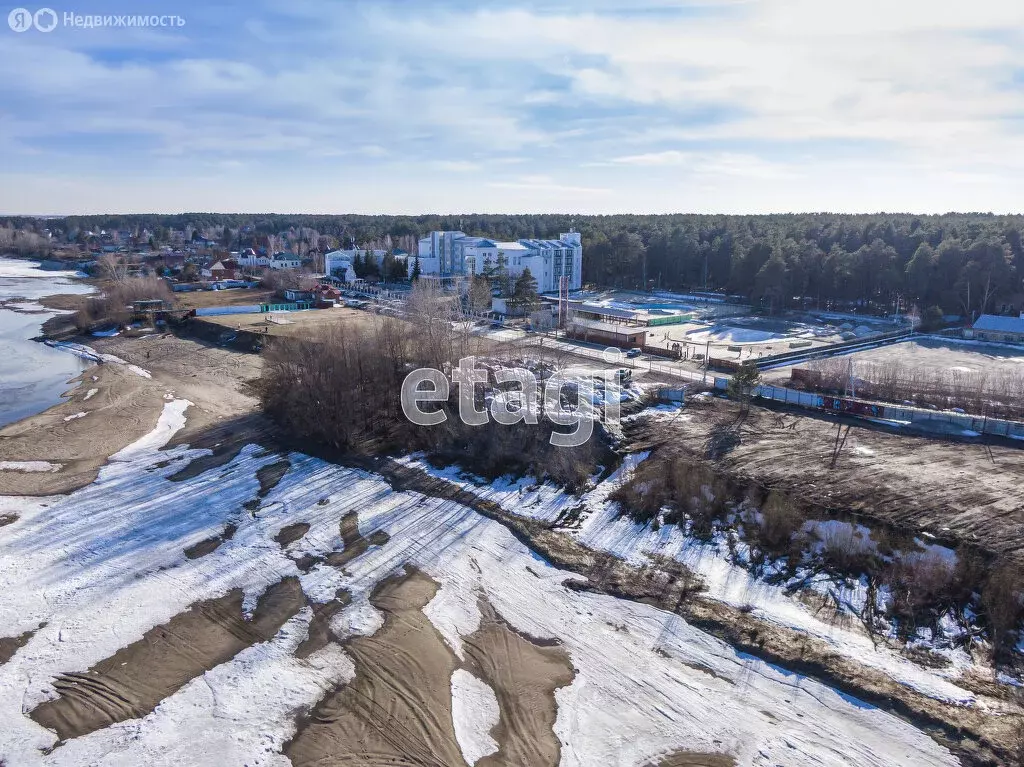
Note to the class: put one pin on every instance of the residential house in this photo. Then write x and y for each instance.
(994, 327)
(285, 261)
(251, 258)
(224, 270)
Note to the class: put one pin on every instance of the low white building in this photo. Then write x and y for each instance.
(338, 262)
(253, 259)
(285, 261)
(454, 254)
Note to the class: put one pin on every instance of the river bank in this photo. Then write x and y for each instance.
(224, 493)
(112, 404)
(372, 606)
(33, 377)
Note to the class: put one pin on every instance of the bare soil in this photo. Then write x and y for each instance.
(201, 299)
(320, 633)
(397, 710)
(955, 491)
(524, 675)
(292, 324)
(288, 535)
(210, 545)
(269, 476)
(693, 759)
(355, 544)
(133, 681)
(11, 645)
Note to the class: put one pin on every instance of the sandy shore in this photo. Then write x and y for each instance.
(111, 405)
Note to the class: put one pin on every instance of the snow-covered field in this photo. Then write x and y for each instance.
(104, 565)
(934, 353)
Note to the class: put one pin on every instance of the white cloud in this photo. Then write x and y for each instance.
(455, 166)
(547, 186)
(806, 103)
(656, 159)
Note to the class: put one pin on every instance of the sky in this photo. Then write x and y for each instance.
(518, 106)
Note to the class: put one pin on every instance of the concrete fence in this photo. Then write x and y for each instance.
(961, 424)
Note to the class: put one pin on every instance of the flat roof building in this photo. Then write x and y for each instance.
(454, 253)
(609, 333)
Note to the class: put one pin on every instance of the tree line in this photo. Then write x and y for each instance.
(962, 263)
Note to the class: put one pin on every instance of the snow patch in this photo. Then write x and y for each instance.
(474, 712)
(171, 421)
(601, 527)
(30, 466)
(105, 564)
(90, 354)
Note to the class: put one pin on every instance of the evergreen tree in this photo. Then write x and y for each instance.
(524, 294)
(743, 384)
(415, 269)
(387, 267)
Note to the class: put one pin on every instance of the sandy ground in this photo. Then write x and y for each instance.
(123, 407)
(524, 674)
(132, 682)
(198, 299)
(397, 710)
(290, 324)
(120, 406)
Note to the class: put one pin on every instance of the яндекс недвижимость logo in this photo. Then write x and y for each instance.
(46, 20)
(22, 19)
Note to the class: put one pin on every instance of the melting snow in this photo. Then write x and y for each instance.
(88, 353)
(602, 528)
(105, 564)
(474, 711)
(31, 466)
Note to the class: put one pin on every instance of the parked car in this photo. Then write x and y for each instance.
(633, 353)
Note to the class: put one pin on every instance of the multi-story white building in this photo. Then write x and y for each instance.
(454, 254)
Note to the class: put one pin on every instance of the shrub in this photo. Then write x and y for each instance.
(1002, 597)
(113, 305)
(342, 388)
(846, 553)
(778, 523)
(686, 487)
(922, 587)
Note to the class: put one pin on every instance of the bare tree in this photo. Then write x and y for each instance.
(111, 268)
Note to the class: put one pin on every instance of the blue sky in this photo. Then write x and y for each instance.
(406, 106)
